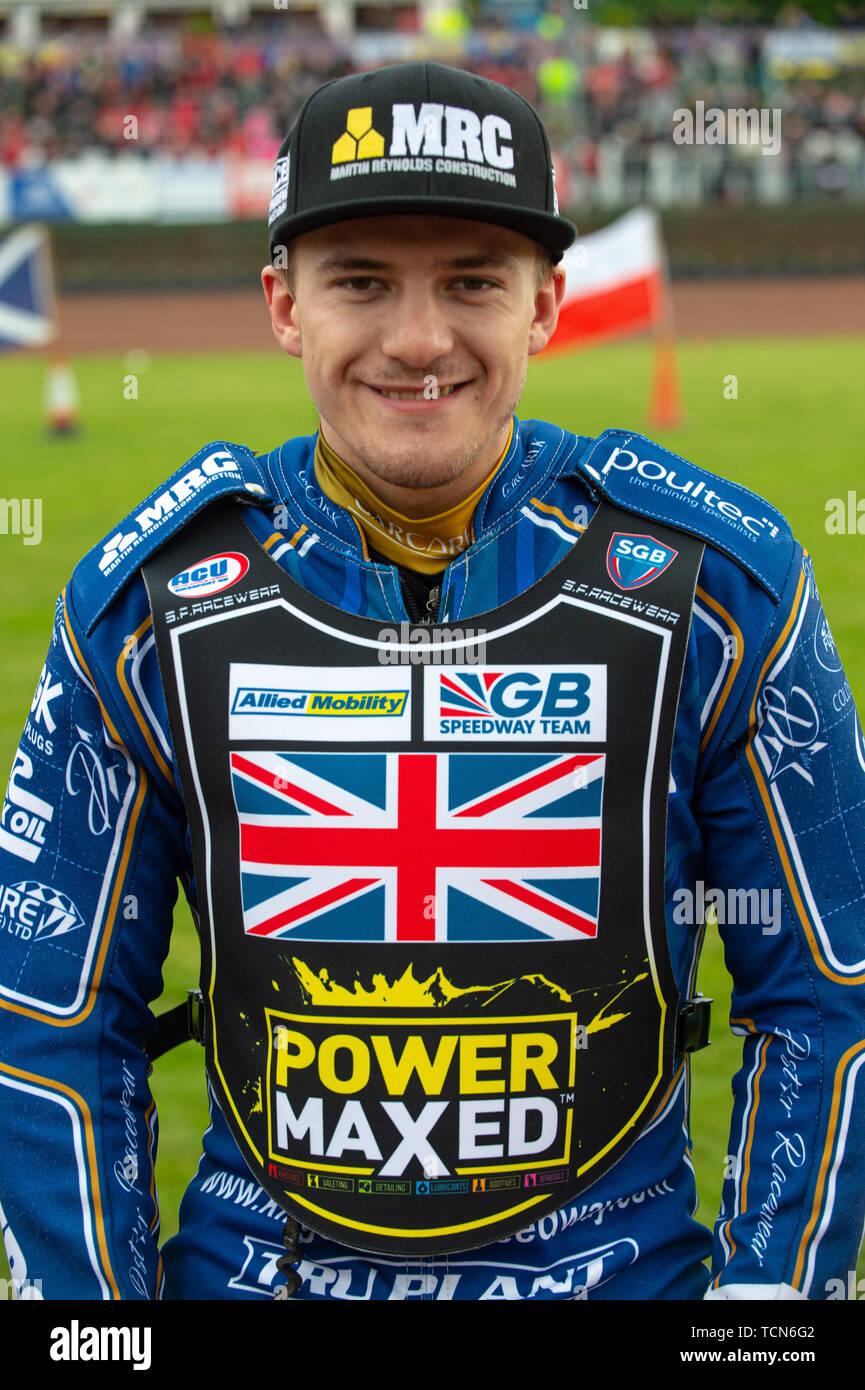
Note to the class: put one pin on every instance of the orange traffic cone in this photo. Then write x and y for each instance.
(62, 401)
(665, 402)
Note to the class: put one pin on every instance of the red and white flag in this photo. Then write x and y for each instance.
(616, 282)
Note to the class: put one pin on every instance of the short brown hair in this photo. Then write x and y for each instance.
(544, 267)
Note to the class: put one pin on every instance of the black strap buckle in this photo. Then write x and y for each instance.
(692, 1024)
(177, 1026)
(195, 1015)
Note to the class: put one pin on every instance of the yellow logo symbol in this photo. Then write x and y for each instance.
(359, 140)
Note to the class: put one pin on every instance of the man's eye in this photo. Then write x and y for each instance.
(358, 282)
(476, 285)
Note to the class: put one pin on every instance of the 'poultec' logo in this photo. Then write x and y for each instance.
(634, 560)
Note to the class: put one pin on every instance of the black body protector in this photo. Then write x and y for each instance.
(437, 994)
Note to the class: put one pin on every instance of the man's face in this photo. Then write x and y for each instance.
(440, 307)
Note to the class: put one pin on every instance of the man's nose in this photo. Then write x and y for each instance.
(417, 329)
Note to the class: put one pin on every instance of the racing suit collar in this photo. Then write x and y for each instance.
(537, 452)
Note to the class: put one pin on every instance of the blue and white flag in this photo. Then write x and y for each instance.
(27, 304)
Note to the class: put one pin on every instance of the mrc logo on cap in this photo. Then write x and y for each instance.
(421, 133)
(450, 135)
(635, 560)
(358, 140)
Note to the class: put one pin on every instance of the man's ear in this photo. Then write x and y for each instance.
(283, 312)
(548, 302)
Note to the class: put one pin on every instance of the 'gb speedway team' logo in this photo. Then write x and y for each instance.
(543, 703)
(635, 560)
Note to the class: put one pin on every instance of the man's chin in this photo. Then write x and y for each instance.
(418, 463)
(417, 474)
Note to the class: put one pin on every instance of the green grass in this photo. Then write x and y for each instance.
(792, 435)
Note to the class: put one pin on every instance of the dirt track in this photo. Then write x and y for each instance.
(236, 320)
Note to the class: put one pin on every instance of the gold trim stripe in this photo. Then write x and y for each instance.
(138, 713)
(81, 1105)
(777, 833)
(555, 511)
(119, 874)
(762, 1049)
(828, 1148)
(734, 666)
(154, 1225)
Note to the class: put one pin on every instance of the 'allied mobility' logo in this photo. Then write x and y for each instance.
(318, 704)
(329, 703)
(635, 560)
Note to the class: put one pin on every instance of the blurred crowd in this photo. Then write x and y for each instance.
(206, 96)
(609, 101)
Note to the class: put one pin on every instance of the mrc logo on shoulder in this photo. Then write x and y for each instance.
(161, 508)
(542, 703)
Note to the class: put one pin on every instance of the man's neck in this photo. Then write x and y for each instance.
(421, 501)
(425, 543)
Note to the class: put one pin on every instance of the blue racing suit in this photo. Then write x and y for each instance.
(765, 822)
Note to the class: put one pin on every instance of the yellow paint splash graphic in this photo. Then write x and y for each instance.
(255, 1088)
(435, 992)
(599, 1021)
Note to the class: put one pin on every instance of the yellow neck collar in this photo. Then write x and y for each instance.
(426, 544)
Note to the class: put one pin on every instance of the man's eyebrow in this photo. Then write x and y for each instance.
(477, 260)
(346, 261)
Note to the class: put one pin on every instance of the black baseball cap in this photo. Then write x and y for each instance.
(417, 138)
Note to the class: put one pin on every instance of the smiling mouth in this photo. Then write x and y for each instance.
(423, 395)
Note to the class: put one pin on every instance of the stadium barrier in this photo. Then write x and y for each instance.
(707, 242)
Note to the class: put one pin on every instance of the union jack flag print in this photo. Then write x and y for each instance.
(419, 846)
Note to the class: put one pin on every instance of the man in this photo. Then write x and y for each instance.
(445, 721)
